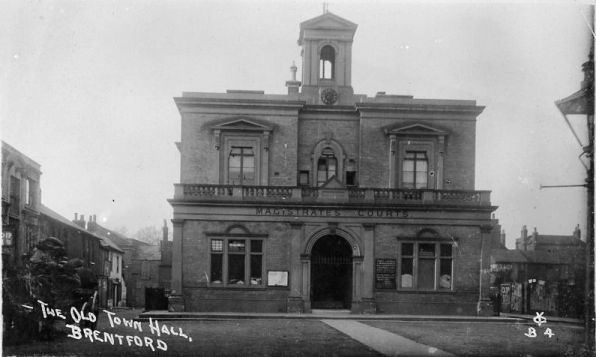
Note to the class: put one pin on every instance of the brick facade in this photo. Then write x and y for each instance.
(269, 183)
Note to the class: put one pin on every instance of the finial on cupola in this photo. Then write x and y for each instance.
(293, 69)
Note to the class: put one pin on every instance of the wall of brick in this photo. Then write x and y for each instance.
(459, 158)
(466, 263)
(314, 128)
(202, 296)
(200, 160)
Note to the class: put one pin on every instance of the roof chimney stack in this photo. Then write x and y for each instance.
(524, 237)
(577, 233)
(293, 85)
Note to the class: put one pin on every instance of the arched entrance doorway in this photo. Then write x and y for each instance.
(331, 273)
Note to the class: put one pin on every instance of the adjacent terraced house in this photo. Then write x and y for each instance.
(325, 199)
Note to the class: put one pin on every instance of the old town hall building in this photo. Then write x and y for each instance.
(326, 199)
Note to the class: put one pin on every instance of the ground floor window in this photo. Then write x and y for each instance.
(426, 266)
(237, 261)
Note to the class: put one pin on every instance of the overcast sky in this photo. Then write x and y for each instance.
(86, 90)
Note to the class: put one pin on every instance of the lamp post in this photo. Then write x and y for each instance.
(578, 110)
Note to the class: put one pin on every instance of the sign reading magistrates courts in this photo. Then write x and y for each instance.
(331, 212)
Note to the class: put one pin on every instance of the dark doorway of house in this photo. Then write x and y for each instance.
(331, 273)
(155, 299)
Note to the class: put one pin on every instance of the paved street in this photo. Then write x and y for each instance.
(310, 337)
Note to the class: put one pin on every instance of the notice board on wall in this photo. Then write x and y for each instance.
(385, 273)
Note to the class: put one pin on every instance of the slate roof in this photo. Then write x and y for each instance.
(54, 215)
(529, 257)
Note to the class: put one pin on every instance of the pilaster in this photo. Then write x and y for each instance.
(176, 300)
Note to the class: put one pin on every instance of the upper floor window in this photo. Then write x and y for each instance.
(327, 63)
(326, 166)
(15, 192)
(29, 192)
(415, 170)
(241, 166)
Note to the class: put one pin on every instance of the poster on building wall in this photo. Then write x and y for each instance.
(277, 278)
(385, 273)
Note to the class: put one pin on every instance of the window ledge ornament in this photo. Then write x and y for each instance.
(241, 124)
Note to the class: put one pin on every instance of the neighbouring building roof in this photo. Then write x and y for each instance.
(530, 257)
(107, 242)
(507, 256)
(561, 240)
(54, 215)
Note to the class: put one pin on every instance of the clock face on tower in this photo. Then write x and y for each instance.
(329, 96)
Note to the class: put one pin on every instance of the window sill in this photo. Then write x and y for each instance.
(235, 287)
(410, 291)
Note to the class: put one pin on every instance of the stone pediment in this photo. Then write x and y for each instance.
(333, 184)
(415, 129)
(327, 21)
(241, 124)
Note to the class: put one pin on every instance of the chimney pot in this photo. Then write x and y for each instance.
(76, 217)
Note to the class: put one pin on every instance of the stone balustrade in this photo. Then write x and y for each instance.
(205, 192)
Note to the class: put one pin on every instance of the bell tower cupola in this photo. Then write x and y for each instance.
(326, 43)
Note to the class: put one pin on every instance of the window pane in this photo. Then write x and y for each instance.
(234, 176)
(407, 249)
(256, 265)
(426, 250)
(236, 269)
(407, 268)
(446, 250)
(426, 274)
(249, 163)
(322, 164)
(234, 160)
(236, 246)
(445, 274)
(408, 165)
(408, 179)
(421, 166)
(421, 182)
(256, 246)
(216, 245)
(216, 267)
(321, 177)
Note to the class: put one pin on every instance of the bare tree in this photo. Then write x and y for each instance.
(149, 234)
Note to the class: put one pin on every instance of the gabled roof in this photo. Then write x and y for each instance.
(529, 257)
(107, 242)
(507, 256)
(54, 215)
(328, 21)
(559, 240)
(332, 183)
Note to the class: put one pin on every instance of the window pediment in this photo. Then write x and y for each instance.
(414, 130)
(242, 124)
(333, 183)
